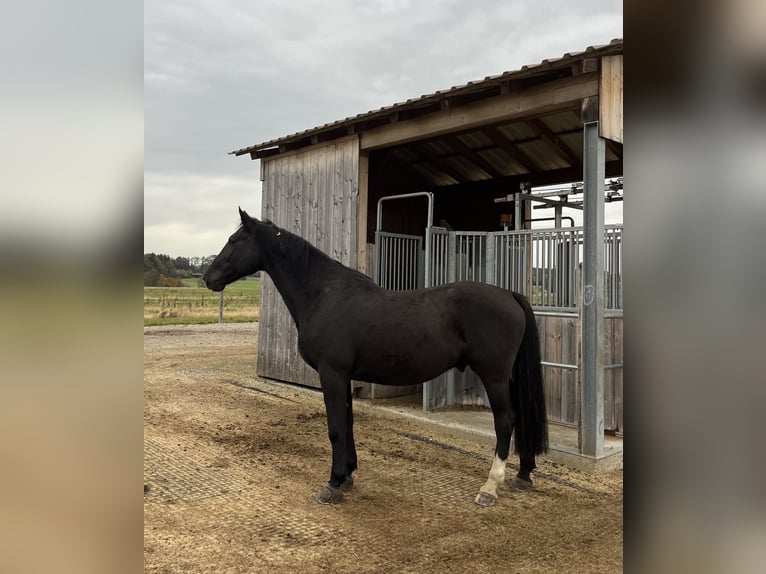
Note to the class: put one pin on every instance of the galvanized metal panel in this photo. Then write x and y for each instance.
(592, 375)
(313, 194)
(547, 262)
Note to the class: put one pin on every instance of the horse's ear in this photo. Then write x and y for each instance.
(246, 219)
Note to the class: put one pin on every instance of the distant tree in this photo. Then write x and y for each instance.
(151, 277)
(160, 270)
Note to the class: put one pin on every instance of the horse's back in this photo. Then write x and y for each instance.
(406, 337)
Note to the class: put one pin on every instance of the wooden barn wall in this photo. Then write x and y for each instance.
(312, 193)
(613, 377)
(559, 344)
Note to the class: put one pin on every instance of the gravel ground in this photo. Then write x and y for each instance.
(232, 463)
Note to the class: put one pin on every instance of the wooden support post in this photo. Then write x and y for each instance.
(361, 213)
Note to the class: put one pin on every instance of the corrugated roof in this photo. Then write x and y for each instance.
(352, 124)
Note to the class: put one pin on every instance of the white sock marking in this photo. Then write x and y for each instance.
(496, 476)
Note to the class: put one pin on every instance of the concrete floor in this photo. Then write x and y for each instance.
(478, 422)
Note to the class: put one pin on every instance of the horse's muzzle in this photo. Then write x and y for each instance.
(212, 284)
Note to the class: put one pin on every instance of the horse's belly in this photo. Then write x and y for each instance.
(389, 367)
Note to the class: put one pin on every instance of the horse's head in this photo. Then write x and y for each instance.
(242, 255)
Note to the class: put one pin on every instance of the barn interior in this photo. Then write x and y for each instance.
(469, 172)
(474, 176)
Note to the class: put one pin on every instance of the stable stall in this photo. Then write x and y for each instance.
(446, 187)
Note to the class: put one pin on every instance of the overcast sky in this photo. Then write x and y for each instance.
(220, 75)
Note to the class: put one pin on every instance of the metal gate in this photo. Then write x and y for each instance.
(399, 261)
(545, 266)
(542, 264)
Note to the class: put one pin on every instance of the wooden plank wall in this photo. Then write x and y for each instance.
(558, 342)
(312, 193)
(613, 377)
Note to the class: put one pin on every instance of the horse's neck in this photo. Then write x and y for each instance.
(298, 276)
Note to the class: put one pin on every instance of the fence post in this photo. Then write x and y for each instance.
(220, 307)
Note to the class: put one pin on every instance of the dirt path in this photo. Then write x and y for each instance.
(232, 463)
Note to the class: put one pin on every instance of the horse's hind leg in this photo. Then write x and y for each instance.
(500, 401)
(523, 481)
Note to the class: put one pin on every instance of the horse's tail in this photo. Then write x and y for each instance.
(527, 397)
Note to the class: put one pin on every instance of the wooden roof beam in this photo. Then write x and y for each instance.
(551, 177)
(473, 156)
(516, 105)
(548, 136)
(442, 163)
(398, 163)
(614, 147)
(511, 149)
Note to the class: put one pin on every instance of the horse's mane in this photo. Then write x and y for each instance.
(301, 251)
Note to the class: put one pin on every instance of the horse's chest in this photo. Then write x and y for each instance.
(325, 345)
(312, 348)
(308, 356)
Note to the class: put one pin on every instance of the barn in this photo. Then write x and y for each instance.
(450, 186)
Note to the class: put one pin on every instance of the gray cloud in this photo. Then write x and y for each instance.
(227, 74)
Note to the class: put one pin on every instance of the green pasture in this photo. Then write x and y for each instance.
(194, 303)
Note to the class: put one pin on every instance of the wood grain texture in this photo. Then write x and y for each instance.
(611, 98)
(313, 194)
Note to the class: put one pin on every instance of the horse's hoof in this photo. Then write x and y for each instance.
(485, 499)
(522, 484)
(329, 495)
(348, 484)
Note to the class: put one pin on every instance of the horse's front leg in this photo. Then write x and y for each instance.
(335, 390)
(351, 461)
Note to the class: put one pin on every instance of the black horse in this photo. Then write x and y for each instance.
(349, 328)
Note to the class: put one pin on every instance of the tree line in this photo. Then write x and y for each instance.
(164, 271)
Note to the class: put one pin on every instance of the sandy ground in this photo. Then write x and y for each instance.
(232, 463)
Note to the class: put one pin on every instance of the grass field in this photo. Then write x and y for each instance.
(195, 303)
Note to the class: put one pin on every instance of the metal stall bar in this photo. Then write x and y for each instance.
(427, 255)
(429, 217)
(398, 263)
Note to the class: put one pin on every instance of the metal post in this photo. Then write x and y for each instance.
(376, 258)
(592, 325)
(451, 278)
(427, 283)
